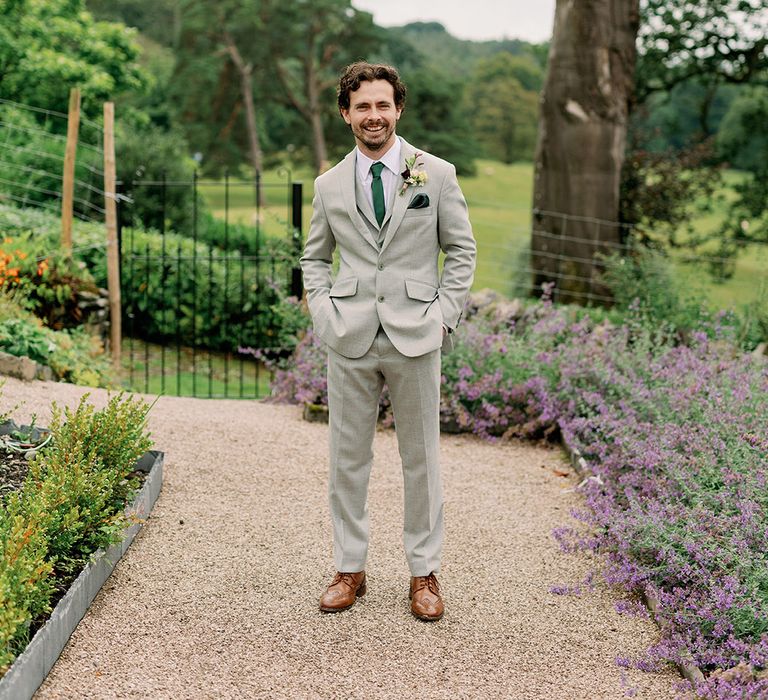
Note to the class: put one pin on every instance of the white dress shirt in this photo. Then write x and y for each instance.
(390, 174)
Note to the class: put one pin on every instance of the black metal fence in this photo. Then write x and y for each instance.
(201, 289)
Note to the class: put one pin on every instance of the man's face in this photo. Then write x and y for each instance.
(373, 116)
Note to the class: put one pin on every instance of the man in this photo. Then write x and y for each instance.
(389, 210)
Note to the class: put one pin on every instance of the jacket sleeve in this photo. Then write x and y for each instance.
(318, 257)
(458, 244)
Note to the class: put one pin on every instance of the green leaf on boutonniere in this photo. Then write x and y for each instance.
(412, 175)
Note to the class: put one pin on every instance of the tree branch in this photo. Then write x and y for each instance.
(282, 76)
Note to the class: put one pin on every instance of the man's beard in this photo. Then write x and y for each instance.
(375, 141)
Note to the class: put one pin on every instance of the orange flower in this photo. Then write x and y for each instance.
(7, 240)
(42, 267)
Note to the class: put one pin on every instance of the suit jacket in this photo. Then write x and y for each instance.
(388, 275)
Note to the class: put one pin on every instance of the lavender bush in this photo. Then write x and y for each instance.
(676, 436)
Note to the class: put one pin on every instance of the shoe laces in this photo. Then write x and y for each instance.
(429, 582)
(344, 577)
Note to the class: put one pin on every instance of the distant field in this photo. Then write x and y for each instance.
(499, 200)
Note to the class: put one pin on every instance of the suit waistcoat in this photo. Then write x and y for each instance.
(369, 217)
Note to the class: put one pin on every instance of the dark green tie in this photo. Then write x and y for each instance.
(377, 187)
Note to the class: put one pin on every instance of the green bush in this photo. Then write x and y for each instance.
(207, 309)
(202, 298)
(73, 354)
(644, 283)
(26, 584)
(22, 338)
(71, 504)
(79, 358)
(148, 153)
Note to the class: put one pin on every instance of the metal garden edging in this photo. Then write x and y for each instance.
(32, 666)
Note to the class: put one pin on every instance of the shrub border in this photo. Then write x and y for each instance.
(688, 669)
(31, 667)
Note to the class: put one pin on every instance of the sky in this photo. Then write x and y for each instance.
(470, 19)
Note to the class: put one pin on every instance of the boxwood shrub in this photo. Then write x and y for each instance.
(72, 503)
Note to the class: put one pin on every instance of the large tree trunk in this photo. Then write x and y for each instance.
(580, 151)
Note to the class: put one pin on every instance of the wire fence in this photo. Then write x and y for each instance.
(32, 154)
(517, 251)
(515, 258)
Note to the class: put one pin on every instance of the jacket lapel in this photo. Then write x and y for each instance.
(347, 179)
(401, 201)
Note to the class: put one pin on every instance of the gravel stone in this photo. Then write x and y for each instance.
(217, 595)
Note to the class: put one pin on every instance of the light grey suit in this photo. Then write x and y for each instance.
(382, 319)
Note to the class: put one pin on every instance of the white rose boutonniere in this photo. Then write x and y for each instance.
(414, 174)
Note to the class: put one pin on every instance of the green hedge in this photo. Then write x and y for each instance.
(70, 505)
(207, 309)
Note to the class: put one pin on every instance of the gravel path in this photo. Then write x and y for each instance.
(217, 596)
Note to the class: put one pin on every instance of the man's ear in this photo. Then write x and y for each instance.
(345, 115)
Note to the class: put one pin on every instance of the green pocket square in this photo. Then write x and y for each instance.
(420, 201)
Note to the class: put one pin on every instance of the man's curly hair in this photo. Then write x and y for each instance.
(356, 73)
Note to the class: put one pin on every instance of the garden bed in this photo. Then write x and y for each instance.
(64, 518)
(671, 422)
(31, 667)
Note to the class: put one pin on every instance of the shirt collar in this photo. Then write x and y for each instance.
(391, 160)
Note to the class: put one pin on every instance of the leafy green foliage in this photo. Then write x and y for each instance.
(80, 358)
(717, 41)
(22, 338)
(31, 155)
(48, 46)
(26, 585)
(152, 154)
(743, 137)
(231, 299)
(433, 120)
(202, 295)
(308, 45)
(661, 192)
(502, 110)
(444, 54)
(71, 504)
(645, 286)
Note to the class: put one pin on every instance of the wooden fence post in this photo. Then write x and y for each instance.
(68, 180)
(113, 264)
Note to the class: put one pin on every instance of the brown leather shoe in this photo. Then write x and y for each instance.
(343, 591)
(426, 602)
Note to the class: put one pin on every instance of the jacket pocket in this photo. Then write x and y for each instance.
(419, 212)
(420, 291)
(344, 288)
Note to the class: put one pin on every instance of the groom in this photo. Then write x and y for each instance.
(389, 210)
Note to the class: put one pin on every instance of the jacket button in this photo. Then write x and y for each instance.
(381, 299)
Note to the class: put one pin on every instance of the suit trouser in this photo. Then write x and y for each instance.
(354, 386)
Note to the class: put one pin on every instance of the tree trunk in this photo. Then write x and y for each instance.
(580, 151)
(315, 108)
(246, 83)
(253, 134)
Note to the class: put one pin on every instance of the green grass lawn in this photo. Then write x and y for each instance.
(499, 199)
(153, 369)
